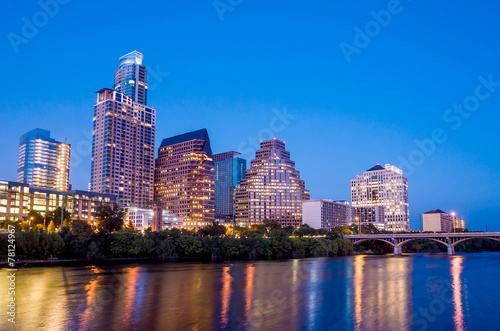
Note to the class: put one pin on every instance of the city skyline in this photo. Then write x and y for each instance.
(362, 113)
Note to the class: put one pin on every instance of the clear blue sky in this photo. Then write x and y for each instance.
(231, 76)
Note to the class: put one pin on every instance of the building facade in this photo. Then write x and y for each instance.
(374, 215)
(143, 218)
(272, 188)
(184, 178)
(387, 187)
(229, 171)
(437, 221)
(123, 136)
(17, 199)
(326, 214)
(43, 161)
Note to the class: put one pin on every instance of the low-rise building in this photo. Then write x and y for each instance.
(326, 214)
(143, 218)
(17, 199)
(369, 215)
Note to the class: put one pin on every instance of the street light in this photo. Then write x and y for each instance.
(453, 214)
(359, 224)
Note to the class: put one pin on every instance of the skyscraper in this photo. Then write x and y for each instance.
(387, 187)
(184, 178)
(123, 136)
(229, 171)
(131, 77)
(43, 161)
(272, 188)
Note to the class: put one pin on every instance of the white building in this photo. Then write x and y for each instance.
(437, 221)
(142, 218)
(326, 214)
(387, 187)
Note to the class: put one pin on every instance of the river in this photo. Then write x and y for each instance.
(410, 292)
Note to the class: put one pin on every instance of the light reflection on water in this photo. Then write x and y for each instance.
(357, 292)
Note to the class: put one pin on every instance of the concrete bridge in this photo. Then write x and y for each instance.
(397, 240)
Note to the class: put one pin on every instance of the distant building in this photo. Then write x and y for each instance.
(184, 178)
(43, 161)
(17, 199)
(272, 188)
(326, 214)
(123, 136)
(386, 187)
(229, 171)
(143, 218)
(437, 221)
(459, 223)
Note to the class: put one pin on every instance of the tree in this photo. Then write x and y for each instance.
(304, 230)
(51, 227)
(212, 230)
(129, 226)
(55, 216)
(109, 218)
(35, 218)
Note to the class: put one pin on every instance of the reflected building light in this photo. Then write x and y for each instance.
(249, 292)
(226, 295)
(456, 270)
(358, 289)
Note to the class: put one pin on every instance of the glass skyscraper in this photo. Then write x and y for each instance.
(272, 188)
(184, 178)
(229, 171)
(43, 161)
(131, 77)
(123, 136)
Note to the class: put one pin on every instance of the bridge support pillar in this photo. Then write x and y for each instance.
(451, 250)
(397, 250)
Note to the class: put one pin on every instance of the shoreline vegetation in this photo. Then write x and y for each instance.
(112, 240)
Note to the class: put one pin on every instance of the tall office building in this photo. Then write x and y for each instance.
(229, 171)
(123, 136)
(184, 178)
(387, 187)
(43, 161)
(272, 188)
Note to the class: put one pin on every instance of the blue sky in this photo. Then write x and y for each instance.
(260, 69)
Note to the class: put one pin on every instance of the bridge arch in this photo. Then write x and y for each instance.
(373, 239)
(469, 238)
(400, 244)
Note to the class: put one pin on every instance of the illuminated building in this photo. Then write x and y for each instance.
(437, 221)
(272, 188)
(123, 136)
(43, 161)
(184, 178)
(143, 218)
(374, 215)
(131, 77)
(387, 187)
(17, 199)
(229, 171)
(459, 223)
(326, 214)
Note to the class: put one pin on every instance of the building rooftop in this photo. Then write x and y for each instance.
(377, 167)
(437, 211)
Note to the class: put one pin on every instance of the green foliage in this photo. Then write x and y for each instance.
(110, 218)
(35, 218)
(213, 230)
